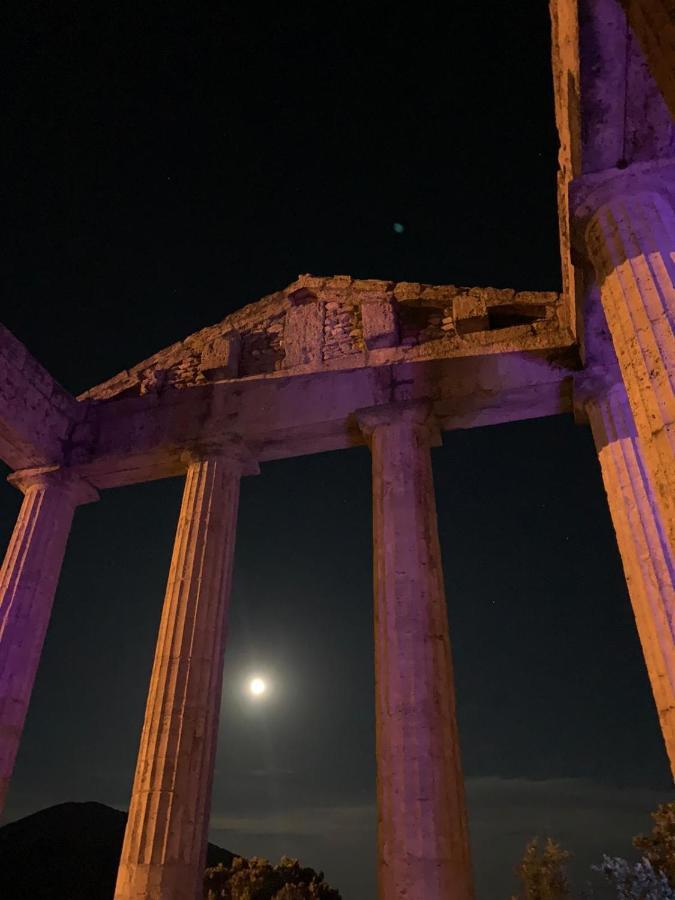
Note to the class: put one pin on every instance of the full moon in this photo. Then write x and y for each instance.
(257, 687)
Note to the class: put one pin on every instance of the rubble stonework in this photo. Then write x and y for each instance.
(317, 321)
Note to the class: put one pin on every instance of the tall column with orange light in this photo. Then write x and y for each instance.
(628, 224)
(164, 850)
(647, 557)
(423, 842)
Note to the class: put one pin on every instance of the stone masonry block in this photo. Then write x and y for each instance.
(407, 290)
(303, 334)
(371, 285)
(220, 358)
(470, 313)
(339, 282)
(380, 324)
(302, 296)
(313, 282)
(438, 292)
(536, 297)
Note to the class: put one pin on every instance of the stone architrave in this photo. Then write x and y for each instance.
(630, 239)
(423, 842)
(28, 581)
(648, 559)
(164, 850)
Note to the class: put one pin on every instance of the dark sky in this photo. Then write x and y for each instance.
(166, 165)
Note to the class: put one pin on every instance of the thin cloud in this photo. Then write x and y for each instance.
(303, 821)
(587, 818)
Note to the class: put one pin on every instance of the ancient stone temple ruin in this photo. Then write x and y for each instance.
(330, 363)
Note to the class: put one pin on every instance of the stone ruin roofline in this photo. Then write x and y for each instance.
(329, 323)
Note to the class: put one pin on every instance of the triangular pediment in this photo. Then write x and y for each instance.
(339, 322)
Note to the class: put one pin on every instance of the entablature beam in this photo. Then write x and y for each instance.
(138, 439)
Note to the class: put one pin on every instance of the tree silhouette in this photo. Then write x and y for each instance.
(257, 879)
(542, 873)
(659, 846)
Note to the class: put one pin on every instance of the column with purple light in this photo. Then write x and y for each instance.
(28, 581)
(653, 24)
(164, 850)
(628, 224)
(647, 557)
(423, 842)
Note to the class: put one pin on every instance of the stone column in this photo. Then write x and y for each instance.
(653, 23)
(423, 841)
(648, 559)
(630, 239)
(164, 850)
(28, 581)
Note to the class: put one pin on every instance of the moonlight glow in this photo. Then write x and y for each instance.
(257, 687)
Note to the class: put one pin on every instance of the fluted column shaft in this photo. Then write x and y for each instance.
(647, 557)
(28, 581)
(423, 843)
(164, 850)
(631, 241)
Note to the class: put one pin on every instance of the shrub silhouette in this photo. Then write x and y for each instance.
(542, 872)
(257, 879)
(659, 845)
(543, 876)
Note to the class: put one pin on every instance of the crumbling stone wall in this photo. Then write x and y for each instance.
(328, 322)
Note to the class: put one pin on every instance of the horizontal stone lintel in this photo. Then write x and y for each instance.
(137, 439)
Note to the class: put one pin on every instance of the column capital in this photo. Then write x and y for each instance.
(588, 193)
(67, 481)
(417, 413)
(231, 450)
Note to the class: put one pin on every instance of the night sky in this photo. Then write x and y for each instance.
(167, 164)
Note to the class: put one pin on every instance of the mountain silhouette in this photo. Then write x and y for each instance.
(67, 852)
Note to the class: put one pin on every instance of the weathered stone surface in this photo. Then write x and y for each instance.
(28, 581)
(141, 438)
(625, 225)
(372, 286)
(630, 237)
(164, 850)
(282, 332)
(423, 841)
(36, 414)
(407, 290)
(303, 334)
(339, 282)
(653, 23)
(609, 112)
(624, 118)
(380, 325)
(342, 328)
(436, 294)
(647, 555)
(470, 313)
(220, 358)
